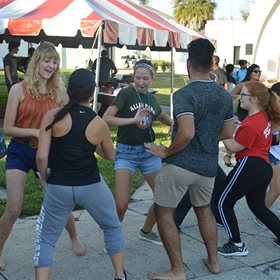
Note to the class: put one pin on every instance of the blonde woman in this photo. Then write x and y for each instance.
(27, 104)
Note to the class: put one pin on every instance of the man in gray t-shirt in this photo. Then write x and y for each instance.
(209, 105)
(203, 115)
(218, 73)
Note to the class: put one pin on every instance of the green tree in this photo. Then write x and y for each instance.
(246, 9)
(143, 2)
(194, 13)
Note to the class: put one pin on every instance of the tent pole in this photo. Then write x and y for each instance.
(97, 71)
(171, 81)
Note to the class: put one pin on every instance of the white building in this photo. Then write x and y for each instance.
(254, 40)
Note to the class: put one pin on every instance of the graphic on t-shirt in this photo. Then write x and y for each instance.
(144, 120)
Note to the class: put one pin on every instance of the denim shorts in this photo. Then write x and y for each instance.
(272, 159)
(21, 156)
(133, 157)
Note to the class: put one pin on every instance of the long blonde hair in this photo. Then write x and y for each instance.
(54, 84)
(268, 100)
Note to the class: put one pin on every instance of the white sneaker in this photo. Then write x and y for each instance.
(230, 249)
(150, 237)
(259, 223)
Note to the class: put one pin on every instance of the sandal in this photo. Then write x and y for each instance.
(227, 160)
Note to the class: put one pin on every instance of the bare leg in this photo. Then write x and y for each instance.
(150, 219)
(123, 180)
(15, 180)
(42, 273)
(274, 187)
(171, 240)
(77, 246)
(208, 231)
(117, 261)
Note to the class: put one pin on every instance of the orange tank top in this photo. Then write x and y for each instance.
(32, 110)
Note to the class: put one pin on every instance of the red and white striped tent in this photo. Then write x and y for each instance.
(75, 22)
(92, 23)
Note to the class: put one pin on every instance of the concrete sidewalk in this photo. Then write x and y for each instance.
(263, 261)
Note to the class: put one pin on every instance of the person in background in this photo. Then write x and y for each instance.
(25, 61)
(225, 64)
(203, 114)
(219, 73)
(69, 137)
(106, 66)
(10, 65)
(240, 73)
(134, 110)
(252, 173)
(231, 80)
(28, 101)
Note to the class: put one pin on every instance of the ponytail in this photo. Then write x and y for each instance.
(74, 99)
(268, 100)
(273, 108)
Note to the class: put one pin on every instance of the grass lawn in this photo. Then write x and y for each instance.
(34, 192)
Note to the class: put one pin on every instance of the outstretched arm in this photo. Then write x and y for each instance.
(111, 119)
(184, 135)
(44, 145)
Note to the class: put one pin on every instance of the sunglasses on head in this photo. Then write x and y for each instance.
(257, 71)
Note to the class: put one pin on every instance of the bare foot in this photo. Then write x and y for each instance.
(78, 247)
(213, 268)
(2, 264)
(168, 275)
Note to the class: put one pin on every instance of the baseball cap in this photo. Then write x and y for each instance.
(81, 79)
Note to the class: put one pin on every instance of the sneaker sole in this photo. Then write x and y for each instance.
(220, 225)
(260, 225)
(235, 254)
(151, 241)
(276, 244)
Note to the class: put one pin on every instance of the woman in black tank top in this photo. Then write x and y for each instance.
(69, 137)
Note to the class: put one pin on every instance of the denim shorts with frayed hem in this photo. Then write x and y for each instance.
(131, 157)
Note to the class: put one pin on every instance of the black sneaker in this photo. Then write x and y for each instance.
(230, 249)
(124, 276)
(276, 242)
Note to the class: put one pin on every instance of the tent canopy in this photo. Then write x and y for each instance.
(76, 22)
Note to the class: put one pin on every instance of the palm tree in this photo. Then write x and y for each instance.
(143, 2)
(194, 13)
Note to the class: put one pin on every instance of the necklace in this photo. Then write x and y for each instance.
(147, 118)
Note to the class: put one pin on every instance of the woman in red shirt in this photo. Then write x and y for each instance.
(252, 173)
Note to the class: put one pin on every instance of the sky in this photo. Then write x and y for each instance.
(225, 10)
